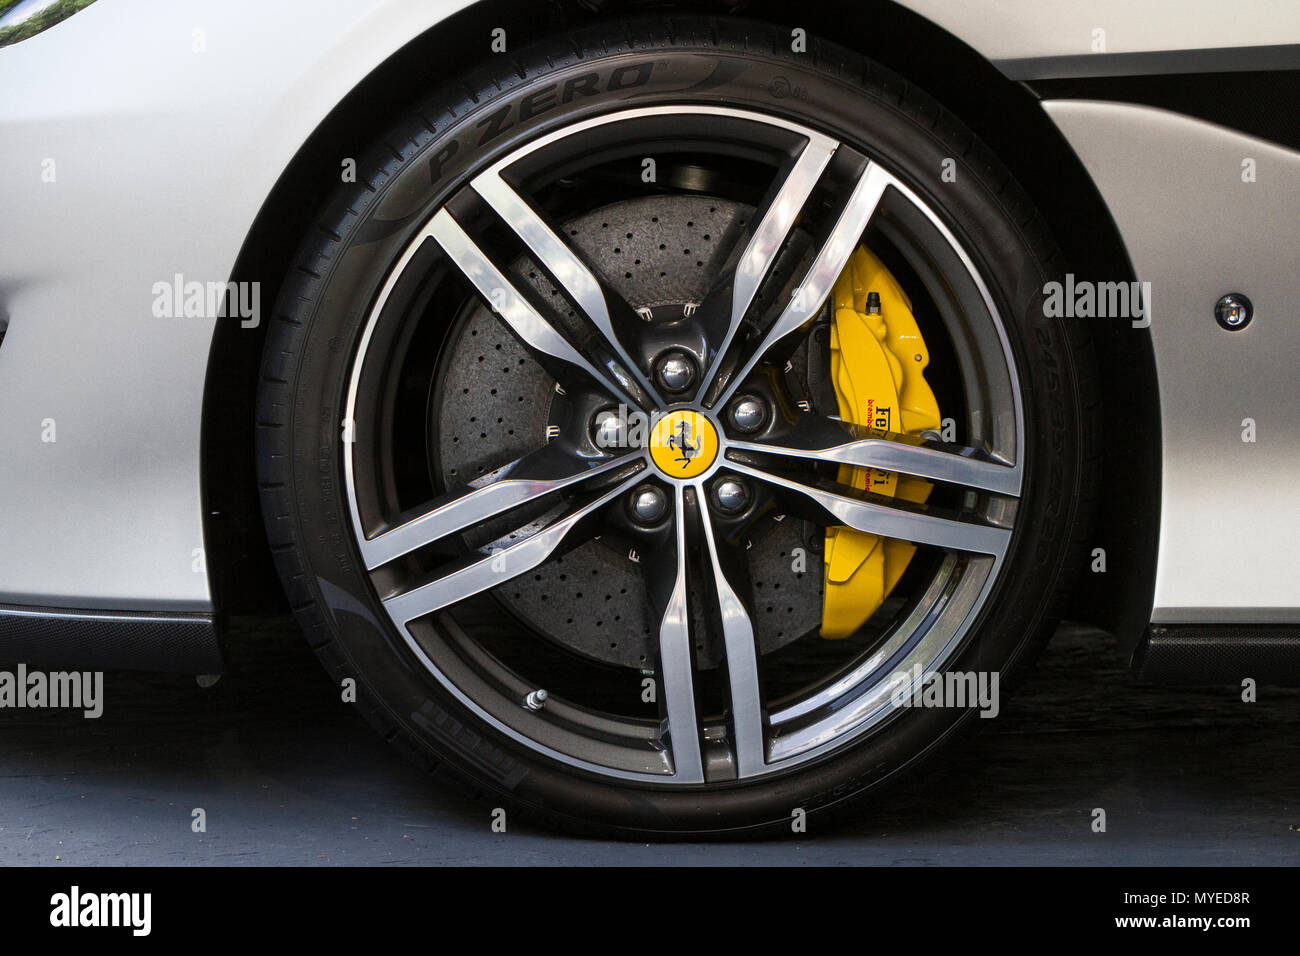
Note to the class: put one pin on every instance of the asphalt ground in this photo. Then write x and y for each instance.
(287, 774)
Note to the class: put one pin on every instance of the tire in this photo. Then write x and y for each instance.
(315, 343)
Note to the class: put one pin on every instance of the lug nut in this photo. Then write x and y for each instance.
(649, 504)
(731, 496)
(676, 371)
(748, 413)
(608, 430)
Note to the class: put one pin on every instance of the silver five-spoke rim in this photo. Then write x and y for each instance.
(752, 737)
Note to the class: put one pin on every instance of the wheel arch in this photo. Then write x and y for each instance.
(1007, 114)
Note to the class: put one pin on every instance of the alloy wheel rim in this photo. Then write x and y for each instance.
(752, 737)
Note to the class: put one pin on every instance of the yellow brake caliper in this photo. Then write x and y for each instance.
(878, 360)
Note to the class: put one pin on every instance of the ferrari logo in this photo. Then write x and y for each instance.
(681, 441)
(683, 444)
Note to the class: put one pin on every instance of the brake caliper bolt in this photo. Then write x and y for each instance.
(731, 496)
(649, 504)
(536, 700)
(676, 371)
(748, 413)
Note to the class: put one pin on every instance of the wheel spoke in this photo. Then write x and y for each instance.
(499, 565)
(741, 656)
(786, 201)
(559, 259)
(540, 473)
(542, 338)
(667, 583)
(831, 258)
(904, 454)
(893, 518)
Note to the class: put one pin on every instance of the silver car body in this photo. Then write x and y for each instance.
(140, 138)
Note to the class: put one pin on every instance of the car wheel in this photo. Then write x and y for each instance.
(657, 413)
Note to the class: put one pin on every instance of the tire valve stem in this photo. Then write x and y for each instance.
(873, 303)
(536, 700)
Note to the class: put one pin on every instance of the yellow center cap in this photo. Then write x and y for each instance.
(683, 444)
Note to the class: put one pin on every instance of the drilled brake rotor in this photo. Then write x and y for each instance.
(495, 403)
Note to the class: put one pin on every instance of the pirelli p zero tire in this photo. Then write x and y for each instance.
(618, 630)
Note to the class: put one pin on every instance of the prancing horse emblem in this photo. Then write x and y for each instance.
(680, 441)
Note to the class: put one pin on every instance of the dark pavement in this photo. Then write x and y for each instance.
(287, 774)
